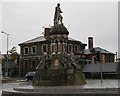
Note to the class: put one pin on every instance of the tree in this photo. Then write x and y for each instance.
(14, 54)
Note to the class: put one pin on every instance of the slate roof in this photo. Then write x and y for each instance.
(106, 67)
(88, 51)
(103, 50)
(37, 39)
(42, 38)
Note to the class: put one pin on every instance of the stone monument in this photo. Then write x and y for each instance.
(57, 67)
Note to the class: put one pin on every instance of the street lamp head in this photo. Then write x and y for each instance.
(5, 33)
(2, 32)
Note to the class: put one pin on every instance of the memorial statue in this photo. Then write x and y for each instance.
(58, 17)
(58, 67)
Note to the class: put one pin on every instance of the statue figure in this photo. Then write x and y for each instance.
(57, 17)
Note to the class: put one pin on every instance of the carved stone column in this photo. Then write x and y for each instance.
(66, 47)
(63, 44)
(59, 47)
(53, 45)
(56, 47)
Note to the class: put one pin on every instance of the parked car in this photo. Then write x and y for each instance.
(30, 75)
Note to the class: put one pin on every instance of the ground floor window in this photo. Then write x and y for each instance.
(26, 64)
(33, 65)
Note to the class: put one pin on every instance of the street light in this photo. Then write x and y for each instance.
(7, 48)
(101, 67)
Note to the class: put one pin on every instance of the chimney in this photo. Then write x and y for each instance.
(46, 32)
(90, 42)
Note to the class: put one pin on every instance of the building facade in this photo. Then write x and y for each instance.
(33, 50)
(98, 54)
(57, 41)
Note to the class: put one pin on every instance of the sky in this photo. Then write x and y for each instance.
(25, 21)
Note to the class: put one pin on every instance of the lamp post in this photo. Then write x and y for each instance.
(6, 70)
(101, 67)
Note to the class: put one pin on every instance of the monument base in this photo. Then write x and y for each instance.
(61, 91)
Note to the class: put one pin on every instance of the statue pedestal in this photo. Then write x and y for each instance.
(57, 71)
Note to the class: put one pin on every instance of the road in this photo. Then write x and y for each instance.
(8, 86)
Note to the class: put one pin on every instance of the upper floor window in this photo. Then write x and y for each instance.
(44, 48)
(76, 48)
(33, 49)
(26, 50)
(70, 47)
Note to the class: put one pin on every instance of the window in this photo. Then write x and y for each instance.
(44, 48)
(33, 49)
(26, 64)
(76, 49)
(70, 48)
(26, 51)
(33, 65)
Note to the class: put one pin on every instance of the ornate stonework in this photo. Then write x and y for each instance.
(59, 67)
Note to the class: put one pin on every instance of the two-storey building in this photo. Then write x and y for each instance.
(32, 50)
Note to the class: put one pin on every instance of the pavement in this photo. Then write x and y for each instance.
(93, 87)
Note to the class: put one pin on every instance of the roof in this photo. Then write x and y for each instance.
(106, 67)
(40, 39)
(102, 50)
(37, 39)
(89, 51)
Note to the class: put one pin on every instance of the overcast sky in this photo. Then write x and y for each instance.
(25, 21)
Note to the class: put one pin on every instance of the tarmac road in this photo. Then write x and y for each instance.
(13, 84)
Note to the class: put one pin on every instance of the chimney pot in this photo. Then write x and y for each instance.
(46, 32)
